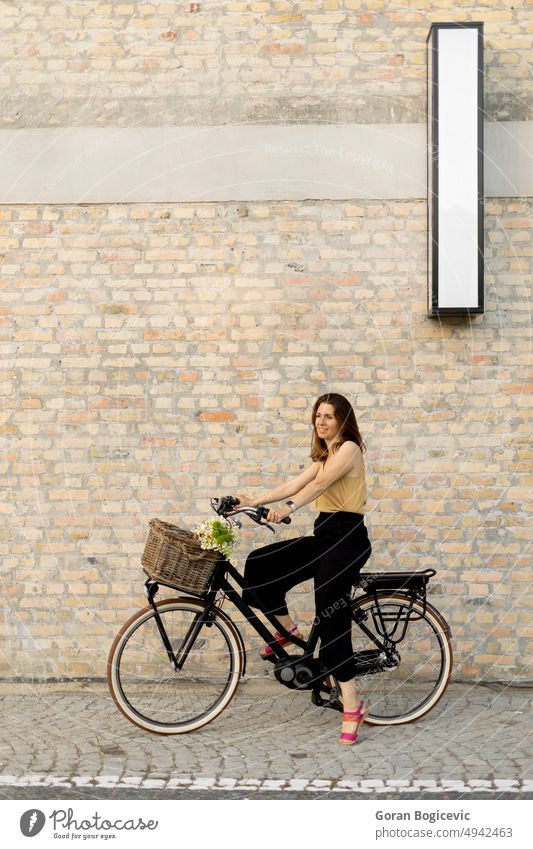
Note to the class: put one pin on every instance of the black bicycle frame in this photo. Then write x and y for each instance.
(220, 583)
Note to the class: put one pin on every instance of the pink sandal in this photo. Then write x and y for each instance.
(267, 653)
(348, 738)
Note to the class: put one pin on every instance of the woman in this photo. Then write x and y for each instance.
(333, 556)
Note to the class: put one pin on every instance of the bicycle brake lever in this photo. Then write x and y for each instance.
(221, 505)
(263, 513)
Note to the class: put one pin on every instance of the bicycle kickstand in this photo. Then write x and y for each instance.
(333, 692)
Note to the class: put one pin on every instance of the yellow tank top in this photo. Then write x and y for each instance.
(347, 493)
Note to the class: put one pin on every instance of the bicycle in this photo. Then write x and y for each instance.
(175, 665)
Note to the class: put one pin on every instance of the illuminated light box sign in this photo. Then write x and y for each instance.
(455, 169)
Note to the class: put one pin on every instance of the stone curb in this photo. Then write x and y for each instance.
(189, 782)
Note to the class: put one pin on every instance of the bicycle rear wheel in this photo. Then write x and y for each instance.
(404, 692)
(150, 691)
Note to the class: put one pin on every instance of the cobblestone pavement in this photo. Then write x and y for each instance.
(71, 737)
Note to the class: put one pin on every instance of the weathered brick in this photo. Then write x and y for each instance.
(163, 352)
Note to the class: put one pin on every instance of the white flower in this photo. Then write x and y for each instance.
(216, 536)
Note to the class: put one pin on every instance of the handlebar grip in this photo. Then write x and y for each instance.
(263, 513)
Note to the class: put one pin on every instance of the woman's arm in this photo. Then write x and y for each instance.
(347, 458)
(284, 491)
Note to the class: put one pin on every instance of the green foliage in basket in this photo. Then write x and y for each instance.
(216, 536)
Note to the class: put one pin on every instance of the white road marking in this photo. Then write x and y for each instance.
(189, 782)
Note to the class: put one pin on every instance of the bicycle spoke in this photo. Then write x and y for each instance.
(411, 687)
(150, 685)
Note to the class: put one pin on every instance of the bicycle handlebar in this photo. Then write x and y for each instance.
(263, 513)
(228, 506)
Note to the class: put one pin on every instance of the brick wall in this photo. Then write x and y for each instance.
(157, 355)
(153, 64)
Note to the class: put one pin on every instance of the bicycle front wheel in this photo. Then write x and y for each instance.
(147, 687)
(413, 683)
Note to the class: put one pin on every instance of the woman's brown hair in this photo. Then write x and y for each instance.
(345, 416)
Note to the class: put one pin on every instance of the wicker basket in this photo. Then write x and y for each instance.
(173, 557)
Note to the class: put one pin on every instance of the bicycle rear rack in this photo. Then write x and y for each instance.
(412, 585)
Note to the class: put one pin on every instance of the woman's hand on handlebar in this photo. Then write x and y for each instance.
(278, 514)
(245, 499)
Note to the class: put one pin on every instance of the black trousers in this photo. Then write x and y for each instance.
(333, 557)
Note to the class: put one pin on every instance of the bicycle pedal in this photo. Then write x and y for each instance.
(332, 703)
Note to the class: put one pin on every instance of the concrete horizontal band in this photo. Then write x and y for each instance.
(348, 104)
(243, 163)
